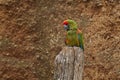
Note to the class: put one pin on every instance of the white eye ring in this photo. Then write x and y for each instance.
(66, 27)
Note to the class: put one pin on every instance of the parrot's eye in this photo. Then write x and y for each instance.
(66, 27)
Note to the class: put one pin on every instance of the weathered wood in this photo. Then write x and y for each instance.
(69, 64)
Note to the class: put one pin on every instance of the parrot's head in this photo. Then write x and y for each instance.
(69, 24)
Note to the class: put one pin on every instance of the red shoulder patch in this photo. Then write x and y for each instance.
(79, 31)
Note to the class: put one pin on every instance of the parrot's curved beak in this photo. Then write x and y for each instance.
(66, 27)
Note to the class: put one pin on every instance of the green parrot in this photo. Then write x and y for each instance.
(74, 36)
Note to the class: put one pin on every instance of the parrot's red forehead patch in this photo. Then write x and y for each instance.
(65, 23)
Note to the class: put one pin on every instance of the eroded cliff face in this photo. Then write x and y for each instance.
(31, 35)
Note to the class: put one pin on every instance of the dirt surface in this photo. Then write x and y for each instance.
(31, 35)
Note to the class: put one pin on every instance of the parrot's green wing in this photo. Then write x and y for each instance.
(80, 39)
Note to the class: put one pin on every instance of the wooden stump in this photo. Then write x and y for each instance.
(69, 64)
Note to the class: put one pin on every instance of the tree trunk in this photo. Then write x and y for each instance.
(69, 64)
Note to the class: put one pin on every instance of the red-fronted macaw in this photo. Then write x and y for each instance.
(74, 36)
